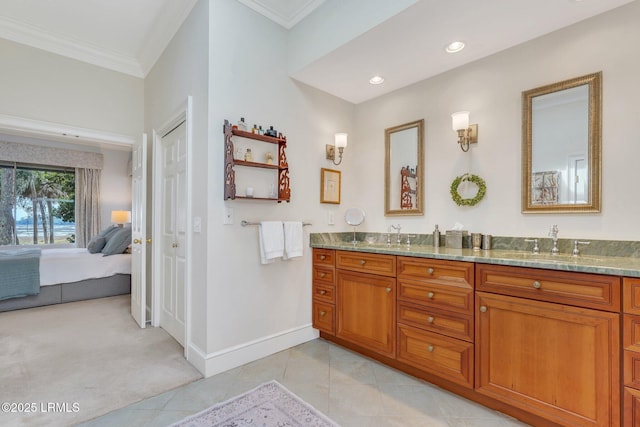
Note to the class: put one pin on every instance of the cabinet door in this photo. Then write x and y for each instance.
(559, 362)
(366, 310)
(631, 407)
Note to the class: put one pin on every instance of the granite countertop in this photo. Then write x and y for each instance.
(600, 264)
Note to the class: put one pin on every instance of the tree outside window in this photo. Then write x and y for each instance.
(36, 205)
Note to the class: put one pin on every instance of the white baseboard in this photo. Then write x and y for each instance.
(213, 363)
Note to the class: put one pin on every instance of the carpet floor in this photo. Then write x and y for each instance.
(64, 364)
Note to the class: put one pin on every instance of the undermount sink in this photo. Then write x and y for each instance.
(563, 258)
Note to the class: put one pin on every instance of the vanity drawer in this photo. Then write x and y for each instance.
(580, 289)
(452, 324)
(445, 357)
(631, 371)
(322, 292)
(631, 332)
(324, 317)
(384, 265)
(324, 274)
(430, 269)
(631, 291)
(324, 257)
(438, 294)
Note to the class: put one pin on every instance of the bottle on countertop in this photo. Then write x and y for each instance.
(436, 237)
(242, 125)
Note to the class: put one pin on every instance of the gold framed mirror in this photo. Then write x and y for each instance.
(562, 146)
(404, 169)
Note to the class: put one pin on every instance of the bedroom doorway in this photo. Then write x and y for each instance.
(139, 231)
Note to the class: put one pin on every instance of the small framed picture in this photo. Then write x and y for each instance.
(329, 186)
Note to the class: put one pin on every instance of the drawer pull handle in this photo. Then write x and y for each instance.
(322, 275)
(430, 270)
(430, 319)
(430, 295)
(388, 290)
(430, 348)
(322, 292)
(322, 313)
(537, 285)
(483, 309)
(323, 257)
(362, 262)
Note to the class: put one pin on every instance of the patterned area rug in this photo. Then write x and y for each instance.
(268, 405)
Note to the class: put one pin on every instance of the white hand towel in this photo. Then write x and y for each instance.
(293, 244)
(271, 241)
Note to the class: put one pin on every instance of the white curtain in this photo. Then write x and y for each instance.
(87, 205)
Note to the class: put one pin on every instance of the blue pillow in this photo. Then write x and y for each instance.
(108, 232)
(96, 244)
(117, 242)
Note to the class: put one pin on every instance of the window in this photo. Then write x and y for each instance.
(37, 204)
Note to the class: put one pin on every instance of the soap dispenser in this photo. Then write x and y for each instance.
(436, 237)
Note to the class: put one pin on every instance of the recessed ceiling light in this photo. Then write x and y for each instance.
(454, 47)
(376, 80)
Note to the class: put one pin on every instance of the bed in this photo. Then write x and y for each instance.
(73, 274)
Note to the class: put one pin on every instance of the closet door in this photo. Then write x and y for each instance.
(173, 232)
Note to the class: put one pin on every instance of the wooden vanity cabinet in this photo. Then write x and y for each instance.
(631, 350)
(323, 288)
(366, 301)
(539, 353)
(435, 317)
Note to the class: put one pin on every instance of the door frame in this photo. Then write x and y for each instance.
(183, 113)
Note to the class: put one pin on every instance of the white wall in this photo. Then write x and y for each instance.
(491, 90)
(39, 85)
(254, 309)
(182, 71)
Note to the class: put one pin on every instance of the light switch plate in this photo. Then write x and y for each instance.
(228, 216)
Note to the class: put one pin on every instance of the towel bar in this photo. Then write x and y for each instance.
(244, 223)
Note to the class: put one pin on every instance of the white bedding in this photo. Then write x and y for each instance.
(75, 264)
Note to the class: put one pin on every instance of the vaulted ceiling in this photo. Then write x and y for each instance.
(407, 46)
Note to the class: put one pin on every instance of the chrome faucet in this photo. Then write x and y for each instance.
(536, 248)
(576, 250)
(398, 237)
(553, 233)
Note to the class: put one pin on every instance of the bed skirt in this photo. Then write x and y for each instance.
(118, 284)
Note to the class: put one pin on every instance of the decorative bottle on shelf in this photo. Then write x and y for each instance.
(248, 155)
(254, 129)
(242, 125)
(268, 158)
(260, 131)
(436, 237)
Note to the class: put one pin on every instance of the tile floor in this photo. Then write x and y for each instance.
(352, 390)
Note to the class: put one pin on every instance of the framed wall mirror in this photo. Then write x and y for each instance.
(561, 146)
(404, 169)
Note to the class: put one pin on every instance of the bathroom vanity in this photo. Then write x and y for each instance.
(550, 341)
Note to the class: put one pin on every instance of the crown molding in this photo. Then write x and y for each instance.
(278, 15)
(33, 36)
(61, 132)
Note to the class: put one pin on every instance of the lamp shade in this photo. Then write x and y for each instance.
(120, 217)
(460, 120)
(340, 140)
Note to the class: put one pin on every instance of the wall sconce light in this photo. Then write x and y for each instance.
(467, 134)
(340, 142)
(120, 217)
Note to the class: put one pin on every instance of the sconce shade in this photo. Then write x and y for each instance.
(120, 217)
(460, 120)
(340, 140)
